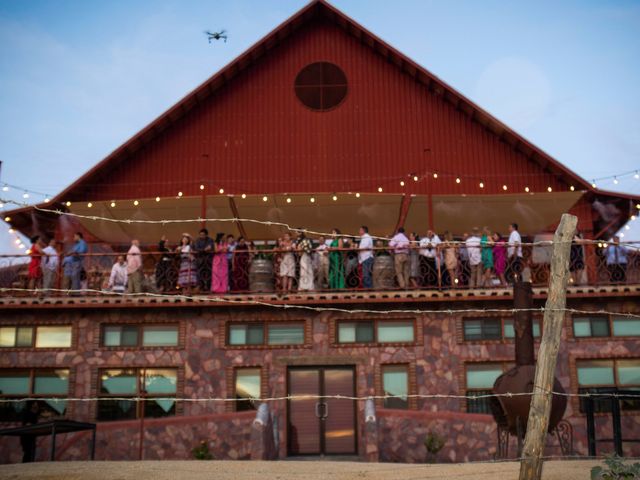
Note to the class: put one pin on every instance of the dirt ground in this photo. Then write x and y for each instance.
(286, 470)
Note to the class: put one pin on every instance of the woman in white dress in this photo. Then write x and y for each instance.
(288, 263)
(305, 247)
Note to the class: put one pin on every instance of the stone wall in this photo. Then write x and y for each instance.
(206, 367)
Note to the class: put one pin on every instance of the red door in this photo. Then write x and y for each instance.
(318, 426)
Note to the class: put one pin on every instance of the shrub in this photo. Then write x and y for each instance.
(618, 470)
(201, 452)
(433, 442)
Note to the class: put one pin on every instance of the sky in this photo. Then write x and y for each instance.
(78, 78)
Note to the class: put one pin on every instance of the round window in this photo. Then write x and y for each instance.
(321, 86)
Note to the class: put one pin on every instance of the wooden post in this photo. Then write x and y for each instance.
(538, 423)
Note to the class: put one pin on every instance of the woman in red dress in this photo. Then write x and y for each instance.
(35, 272)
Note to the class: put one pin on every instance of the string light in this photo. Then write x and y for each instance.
(244, 195)
(17, 241)
(572, 188)
(415, 178)
(357, 194)
(264, 199)
(46, 200)
(221, 191)
(593, 184)
(201, 187)
(179, 194)
(615, 181)
(636, 175)
(312, 200)
(458, 180)
(504, 187)
(68, 204)
(136, 202)
(25, 195)
(113, 204)
(526, 189)
(5, 189)
(435, 175)
(380, 189)
(11, 230)
(334, 198)
(481, 185)
(288, 200)
(89, 205)
(549, 189)
(402, 183)
(157, 199)
(7, 219)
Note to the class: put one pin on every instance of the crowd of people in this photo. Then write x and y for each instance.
(481, 258)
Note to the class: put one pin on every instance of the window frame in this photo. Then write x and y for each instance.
(505, 364)
(376, 336)
(407, 368)
(503, 338)
(33, 371)
(237, 401)
(610, 318)
(615, 386)
(34, 336)
(303, 323)
(140, 326)
(140, 392)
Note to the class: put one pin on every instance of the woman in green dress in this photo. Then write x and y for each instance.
(486, 243)
(336, 262)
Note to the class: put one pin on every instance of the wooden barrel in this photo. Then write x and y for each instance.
(384, 273)
(261, 277)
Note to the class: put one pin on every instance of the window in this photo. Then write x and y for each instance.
(591, 326)
(607, 376)
(157, 387)
(321, 86)
(20, 383)
(247, 388)
(395, 383)
(493, 328)
(625, 326)
(139, 335)
(376, 331)
(256, 333)
(49, 336)
(480, 378)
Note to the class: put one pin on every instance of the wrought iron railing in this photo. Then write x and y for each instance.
(447, 266)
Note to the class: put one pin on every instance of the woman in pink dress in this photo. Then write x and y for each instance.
(220, 268)
(499, 257)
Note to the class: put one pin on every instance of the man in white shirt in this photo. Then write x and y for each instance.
(365, 257)
(134, 268)
(400, 245)
(50, 264)
(514, 253)
(429, 259)
(118, 278)
(475, 258)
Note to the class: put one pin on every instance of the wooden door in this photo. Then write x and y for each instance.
(318, 426)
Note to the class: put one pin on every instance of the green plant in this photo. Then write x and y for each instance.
(433, 442)
(618, 470)
(201, 452)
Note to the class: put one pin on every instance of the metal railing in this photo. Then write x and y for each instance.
(446, 266)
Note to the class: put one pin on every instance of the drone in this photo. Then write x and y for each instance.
(221, 35)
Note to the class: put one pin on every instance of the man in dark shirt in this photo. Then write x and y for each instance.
(30, 416)
(203, 248)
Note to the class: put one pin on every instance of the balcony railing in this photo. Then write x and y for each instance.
(265, 270)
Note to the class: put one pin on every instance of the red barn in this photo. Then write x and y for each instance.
(320, 124)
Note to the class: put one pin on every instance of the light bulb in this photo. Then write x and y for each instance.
(135, 202)
(458, 180)
(572, 188)
(244, 195)
(435, 175)
(549, 189)
(593, 185)
(179, 194)
(25, 195)
(621, 235)
(504, 187)
(113, 204)
(615, 181)
(157, 199)
(380, 189)
(288, 200)
(7, 219)
(264, 199)
(68, 204)
(636, 176)
(415, 178)
(334, 198)
(5, 189)
(89, 205)
(402, 183)
(11, 230)
(357, 195)
(17, 240)
(221, 191)
(201, 187)
(526, 189)
(633, 217)
(481, 185)
(46, 200)
(312, 200)
(627, 227)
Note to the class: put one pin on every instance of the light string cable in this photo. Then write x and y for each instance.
(130, 221)
(278, 303)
